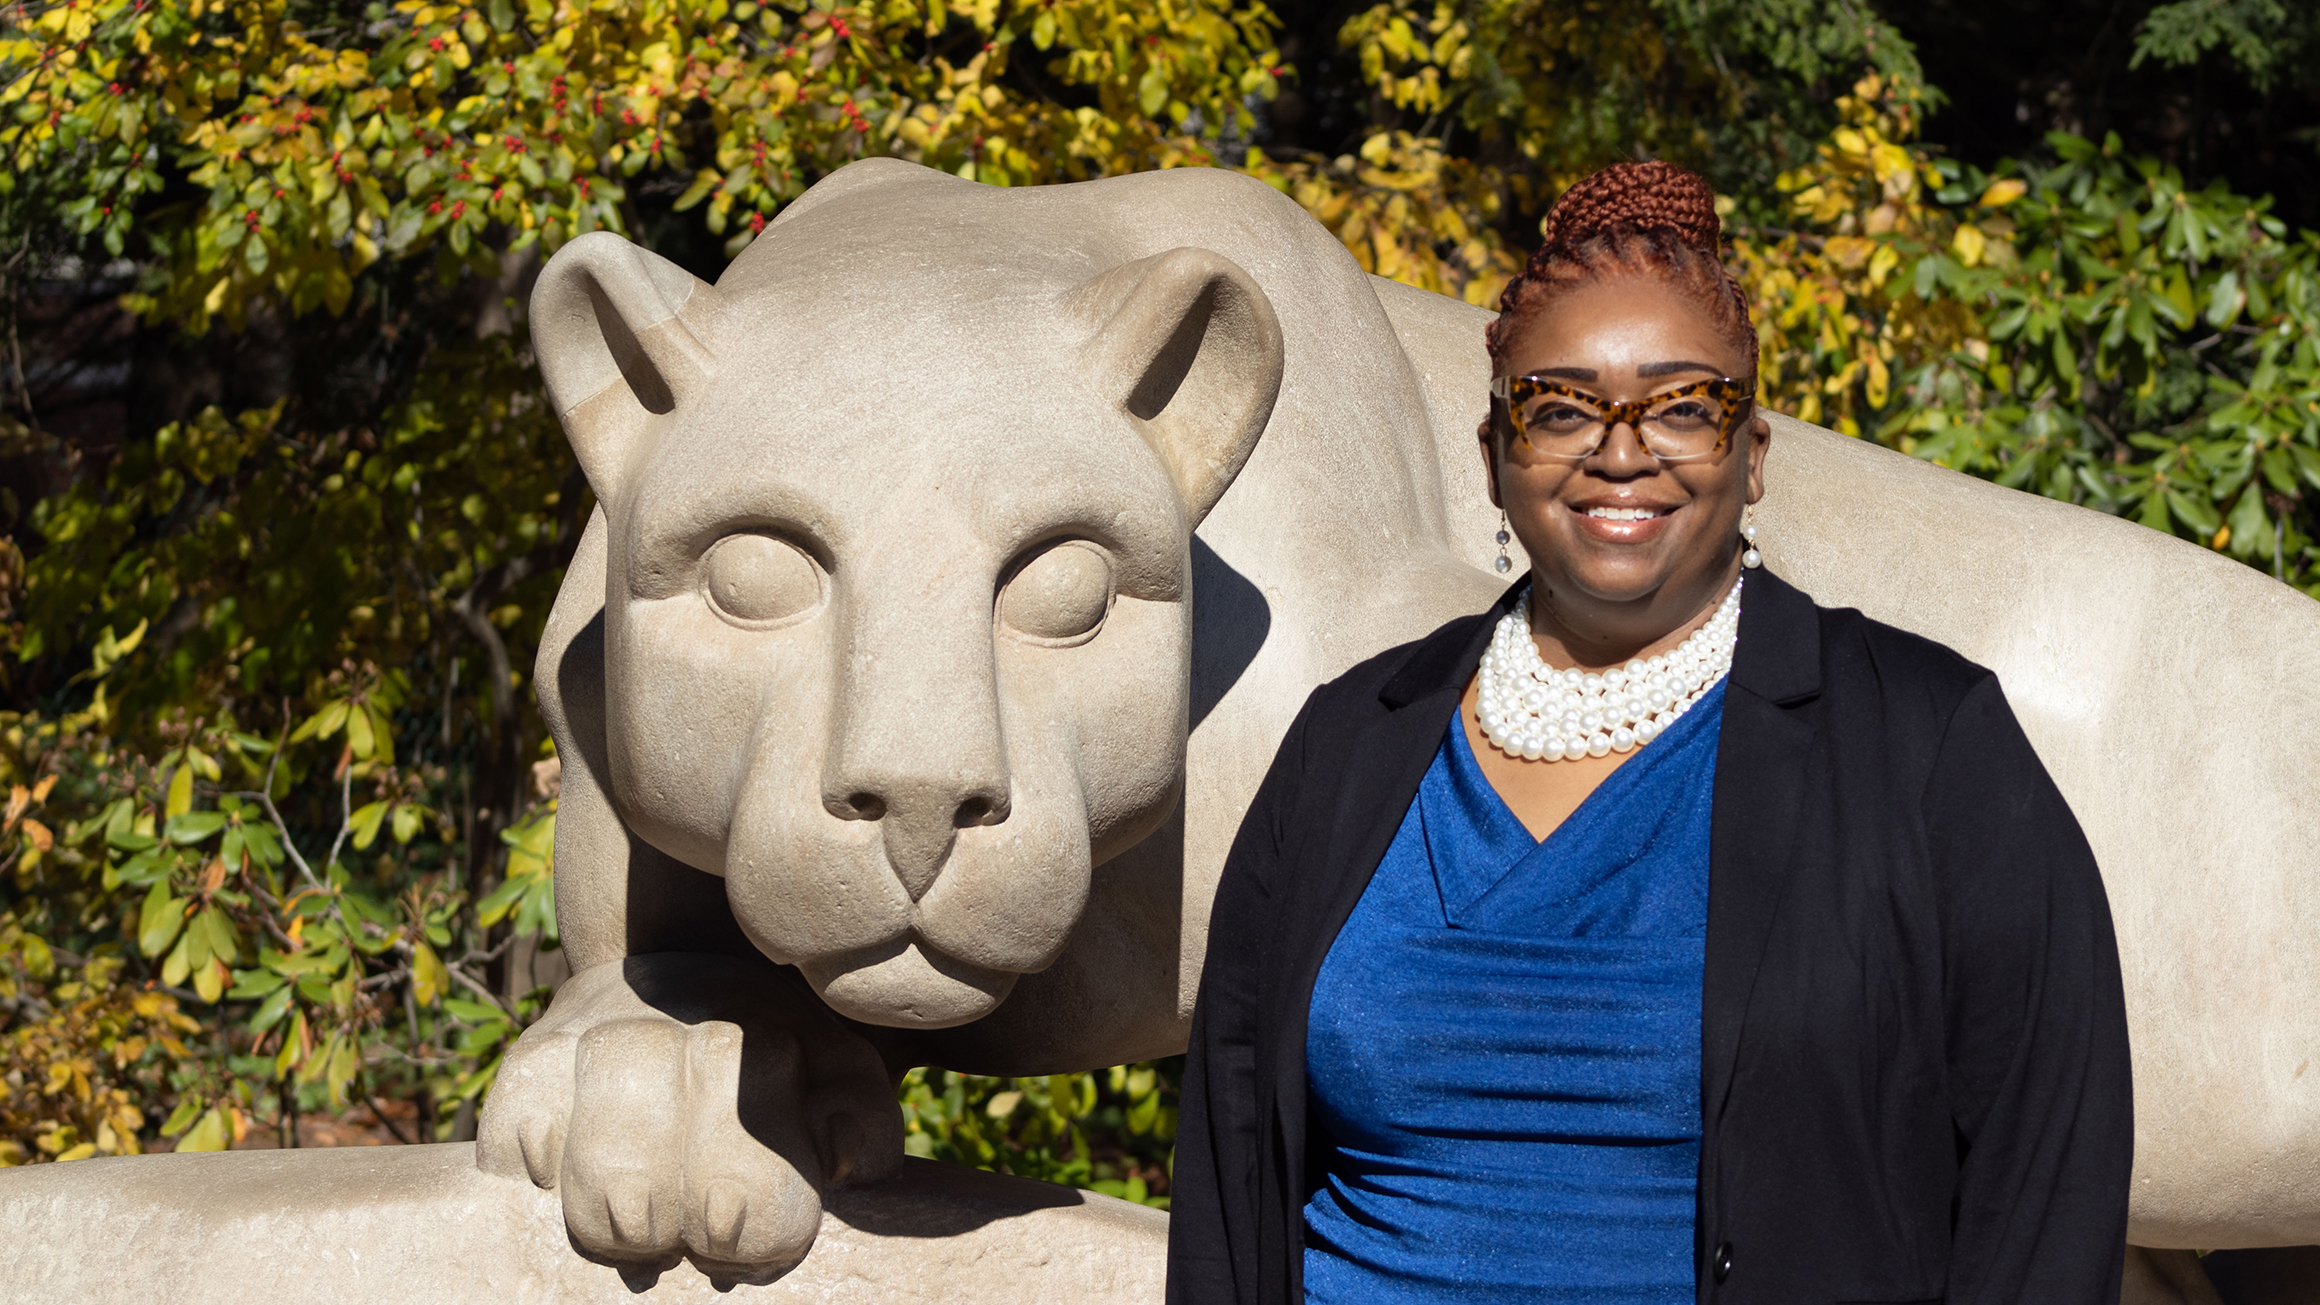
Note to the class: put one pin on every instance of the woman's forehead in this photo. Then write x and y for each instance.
(1624, 329)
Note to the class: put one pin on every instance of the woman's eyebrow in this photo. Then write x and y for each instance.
(1649, 370)
(1567, 373)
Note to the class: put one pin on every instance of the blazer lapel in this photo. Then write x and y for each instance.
(1760, 781)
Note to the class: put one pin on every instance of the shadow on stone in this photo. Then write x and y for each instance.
(938, 1200)
(2270, 1275)
(1231, 618)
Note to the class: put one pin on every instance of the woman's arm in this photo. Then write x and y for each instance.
(1213, 1190)
(2039, 1078)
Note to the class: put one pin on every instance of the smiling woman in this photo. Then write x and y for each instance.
(1718, 946)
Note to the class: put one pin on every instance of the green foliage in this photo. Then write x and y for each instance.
(1111, 1132)
(2092, 329)
(2271, 42)
(177, 885)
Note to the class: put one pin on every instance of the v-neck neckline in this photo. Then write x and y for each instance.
(1465, 881)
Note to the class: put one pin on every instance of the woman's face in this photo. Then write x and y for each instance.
(1625, 551)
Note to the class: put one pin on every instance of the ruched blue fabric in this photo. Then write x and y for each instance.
(1504, 1045)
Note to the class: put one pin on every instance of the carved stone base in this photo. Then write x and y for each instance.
(422, 1224)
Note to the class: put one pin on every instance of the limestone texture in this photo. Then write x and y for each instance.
(421, 1225)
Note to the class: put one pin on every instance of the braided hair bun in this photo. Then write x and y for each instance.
(1631, 219)
(1636, 197)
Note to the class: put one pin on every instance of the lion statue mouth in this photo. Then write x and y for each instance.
(905, 983)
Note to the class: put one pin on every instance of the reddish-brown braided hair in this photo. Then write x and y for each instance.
(1648, 218)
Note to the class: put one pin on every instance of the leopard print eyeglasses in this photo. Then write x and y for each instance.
(1686, 424)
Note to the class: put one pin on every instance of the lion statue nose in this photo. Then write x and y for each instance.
(920, 818)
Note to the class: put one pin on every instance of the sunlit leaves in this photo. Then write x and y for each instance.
(2093, 330)
(442, 129)
(1047, 1127)
(529, 892)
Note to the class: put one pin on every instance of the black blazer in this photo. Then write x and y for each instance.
(1913, 1077)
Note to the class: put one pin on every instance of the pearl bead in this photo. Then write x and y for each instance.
(1623, 740)
(1599, 746)
(1502, 565)
(1574, 749)
(1751, 558)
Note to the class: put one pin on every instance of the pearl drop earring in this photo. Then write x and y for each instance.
(1504, 563)
(1750, 557)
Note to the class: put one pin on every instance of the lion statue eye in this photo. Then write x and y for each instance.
(757, 578)
(1059, 595)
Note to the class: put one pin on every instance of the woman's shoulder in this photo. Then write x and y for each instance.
(1918, 684)
(1852, 641)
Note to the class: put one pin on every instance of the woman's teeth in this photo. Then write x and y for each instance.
(1623, 514)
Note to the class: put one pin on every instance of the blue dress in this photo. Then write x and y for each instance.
(1504, 1044)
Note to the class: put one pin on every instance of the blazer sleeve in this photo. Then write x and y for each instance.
(2039, 1078)
(1214, 1188)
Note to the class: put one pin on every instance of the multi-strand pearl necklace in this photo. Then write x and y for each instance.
(1529, 709)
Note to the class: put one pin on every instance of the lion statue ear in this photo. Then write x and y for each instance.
(1187, 344)
(614, 328)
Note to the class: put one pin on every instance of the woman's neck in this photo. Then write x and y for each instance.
(1577, 631)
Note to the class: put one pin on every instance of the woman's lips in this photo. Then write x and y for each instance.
(1622, 523)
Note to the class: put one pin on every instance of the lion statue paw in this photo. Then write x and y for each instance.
(681, 1107)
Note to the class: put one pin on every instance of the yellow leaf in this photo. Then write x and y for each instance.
(40, 790)
(81, 1152)
(180, 791)
(1969, 244)
(2004, 192)
(210, 981)
(429, 980)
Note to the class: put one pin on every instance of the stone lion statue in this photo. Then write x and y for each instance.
(962, 554)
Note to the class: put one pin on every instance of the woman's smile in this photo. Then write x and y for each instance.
(1621, 522)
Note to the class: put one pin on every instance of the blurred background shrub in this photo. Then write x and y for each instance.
(282, 509)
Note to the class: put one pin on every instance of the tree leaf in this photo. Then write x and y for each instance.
(159, 920)
(429, 980)
(210, 1133)
(358, 734)
(365, 822)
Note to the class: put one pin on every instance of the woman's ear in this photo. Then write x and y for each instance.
(1759, 442)
(1486, 435)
